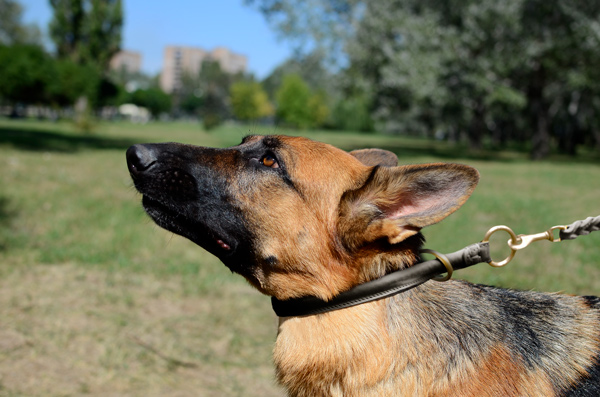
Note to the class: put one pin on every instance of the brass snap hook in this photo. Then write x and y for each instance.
(525, 239)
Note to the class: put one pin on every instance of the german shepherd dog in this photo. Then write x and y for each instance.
(301, 218)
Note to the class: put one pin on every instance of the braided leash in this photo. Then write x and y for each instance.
(580, 228)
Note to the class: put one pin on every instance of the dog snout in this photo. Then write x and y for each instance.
(139, 158)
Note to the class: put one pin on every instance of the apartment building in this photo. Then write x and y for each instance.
(131, 61)
(178, 60)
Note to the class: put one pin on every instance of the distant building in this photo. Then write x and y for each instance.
(177, 60)
(131, 61)
(230, 61)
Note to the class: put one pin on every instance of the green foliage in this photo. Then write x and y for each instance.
(323, 25)
(25, 73)
(311, 68)
(352, 114)
(12, 30)
(318, 109)
(87, 31)
(73, 81)
(105, 22)
(154, 99)
(206, 94)
(292, 102)
(30, 76)
(67, 28)
(298, 107)
(107, 93)
(249, 101)
(524, 70)
(191, 104)
(210, 121)
(214, 109)
(84, 120)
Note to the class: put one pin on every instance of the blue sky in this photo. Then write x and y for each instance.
(151, 25)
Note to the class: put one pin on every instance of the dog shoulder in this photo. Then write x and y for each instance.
(552, 340)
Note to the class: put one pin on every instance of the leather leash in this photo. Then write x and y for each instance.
(411, 277)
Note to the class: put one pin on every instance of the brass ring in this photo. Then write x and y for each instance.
(513, 238)
(442, 258)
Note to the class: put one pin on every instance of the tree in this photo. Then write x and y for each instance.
(206, 94)
(292, 102)
(154, 99)
(104, 31)
(249, 101)
(87, 31)
(352, 114)
(318, 109)
(512, 70)
(322, 24)
(72, 81)
(214, 85)
(67, 28)
(310, 67)
(25, 73)
(561, 39)
(298, 107)
(12, 30)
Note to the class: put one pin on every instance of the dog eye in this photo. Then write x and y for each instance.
(269, 161)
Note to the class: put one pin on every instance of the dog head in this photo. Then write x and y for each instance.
(297, 217)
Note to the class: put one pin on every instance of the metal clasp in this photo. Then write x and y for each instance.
(521, 241)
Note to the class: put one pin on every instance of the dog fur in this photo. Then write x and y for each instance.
(297, 217)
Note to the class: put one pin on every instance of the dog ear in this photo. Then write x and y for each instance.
(372, 157)
(395, 203)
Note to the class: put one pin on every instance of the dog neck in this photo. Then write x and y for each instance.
(384, 287)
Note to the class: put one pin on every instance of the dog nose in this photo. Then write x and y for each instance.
(139, 158)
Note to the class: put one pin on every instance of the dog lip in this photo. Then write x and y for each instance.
(169, 219)
(223, 245)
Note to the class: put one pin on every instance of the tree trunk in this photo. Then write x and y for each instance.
(541, 136)
(596, 133)
(539, 115)
(477, 127)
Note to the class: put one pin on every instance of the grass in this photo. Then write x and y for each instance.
(95, 299)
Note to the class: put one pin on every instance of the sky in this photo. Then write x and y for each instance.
(151, 25)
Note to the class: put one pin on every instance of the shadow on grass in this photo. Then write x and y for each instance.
(7, 215)
(54, 141)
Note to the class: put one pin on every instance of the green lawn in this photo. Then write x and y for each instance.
(96, 299)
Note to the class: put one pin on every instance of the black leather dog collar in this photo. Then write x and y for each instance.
(384, 287)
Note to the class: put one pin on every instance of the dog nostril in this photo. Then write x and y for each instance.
(139, 158)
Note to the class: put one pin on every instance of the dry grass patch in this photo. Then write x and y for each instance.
(67, 330)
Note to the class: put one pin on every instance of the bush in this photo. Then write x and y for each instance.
(249, 101)
(25, 73)
(72, 81)
(293, 102)
(154, 99)
(352, 114)
(318, 109)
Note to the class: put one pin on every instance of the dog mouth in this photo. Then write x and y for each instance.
(187, 197)
(173, 220)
